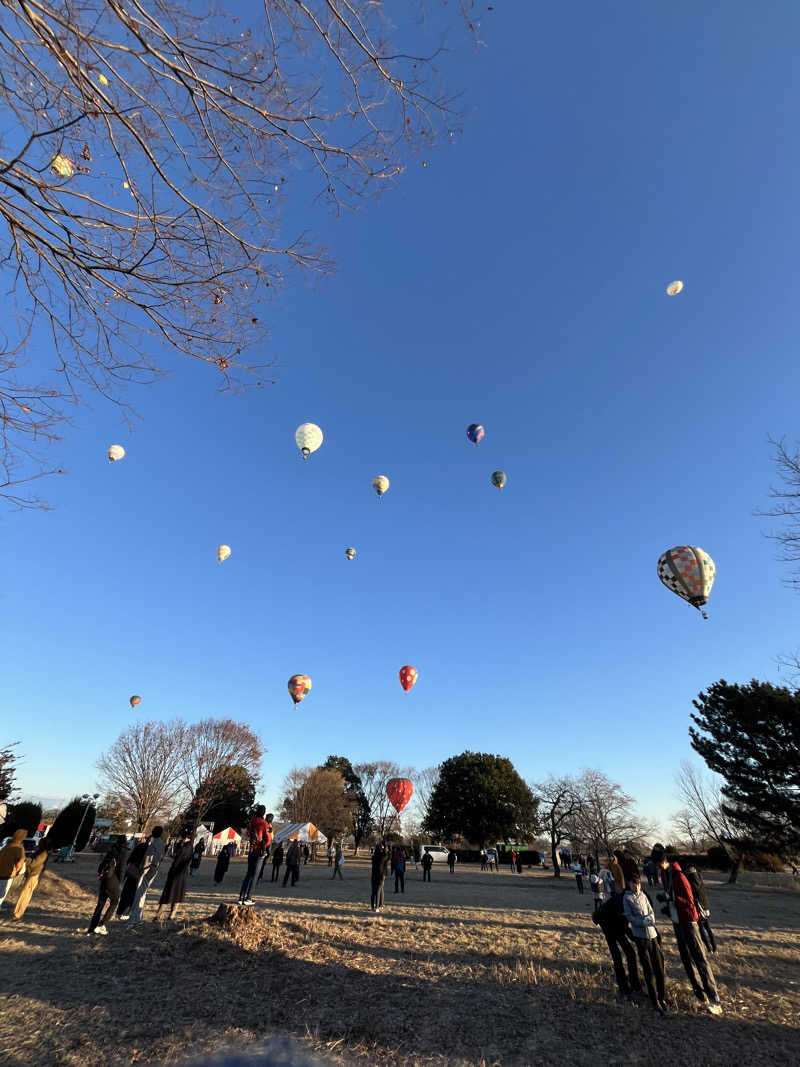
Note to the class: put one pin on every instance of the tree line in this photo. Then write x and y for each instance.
(748, 735)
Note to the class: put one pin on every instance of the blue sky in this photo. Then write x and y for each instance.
(517, 281)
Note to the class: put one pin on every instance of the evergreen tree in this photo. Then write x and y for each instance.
(750, 736)
(69, 819)
(25, 815)
(482, 797)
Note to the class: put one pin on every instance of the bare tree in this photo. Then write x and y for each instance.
(687, 832)
(318, 795)
(559, 806)
(424, 785)
(703, 802)
(149, 151)
(210, 749)
(374, 777)
(605, 819)
(142, 769)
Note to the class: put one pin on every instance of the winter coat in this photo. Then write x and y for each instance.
(12, 857)
(695, 880)
(610, 917)
(277, 856)
(616, 871)
(639, 913)
(175, 887)
(111, 868)
(680, 893)
(223, 862)
(427, 861)
(293, 855)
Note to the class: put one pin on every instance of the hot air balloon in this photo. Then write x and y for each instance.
(308, 438)
(689, 572)
(350, 553)
(115, 452)
(674, 288)
(135, 701)
(380, 484)
(499, 479)
(408, 676)
(223, 552)
(475, 432)
(62, 166)
(299, 686)
(399, 791)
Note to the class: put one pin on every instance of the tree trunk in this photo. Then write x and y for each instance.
(554, 855)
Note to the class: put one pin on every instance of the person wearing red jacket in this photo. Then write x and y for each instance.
(680, 907)
(259, 832)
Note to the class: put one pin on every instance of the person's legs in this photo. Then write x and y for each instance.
(295, 874)
(113, 900)
(249, 878)
(616, 959)
(5, 885)
(286, 874)
(402, 881)
(657, 963)
(707, 934)
(25, 896)
(139, 901)
(698, 953)
(625, 942)
(102, 897)
(686, 960)
(380, 895)
(643, 952)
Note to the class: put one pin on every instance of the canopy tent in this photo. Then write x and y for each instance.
(300, 831)
(227, 835)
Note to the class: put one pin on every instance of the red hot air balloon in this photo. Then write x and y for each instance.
(135, 701)
(399, 791)
(408, 675)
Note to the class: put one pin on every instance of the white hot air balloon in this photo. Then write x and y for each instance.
(115, 452)
(380, 484)
(223, 552)
(674, 288)
(308, 438)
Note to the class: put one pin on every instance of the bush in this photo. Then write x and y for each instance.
(762, 861)
(719, 858)
(23, 816)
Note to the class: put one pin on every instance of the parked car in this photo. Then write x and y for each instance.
(29, 844)
(438, 852)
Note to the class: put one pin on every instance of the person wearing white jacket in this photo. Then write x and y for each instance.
(639, 913)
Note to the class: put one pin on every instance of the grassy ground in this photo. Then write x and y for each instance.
(475, 968)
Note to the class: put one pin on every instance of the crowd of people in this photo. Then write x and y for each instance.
(627, 919)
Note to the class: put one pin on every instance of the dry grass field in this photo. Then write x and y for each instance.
(475, 968)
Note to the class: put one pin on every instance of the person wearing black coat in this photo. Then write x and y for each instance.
(695, 880)
(110, 872)
(610, 917)
(380, 865)
(277, 861)
(223, 863)
(133, 872)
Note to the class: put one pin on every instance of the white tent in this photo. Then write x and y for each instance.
(300, 831)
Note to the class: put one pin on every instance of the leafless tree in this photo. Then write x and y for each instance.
(149, 150)
(142, 770)
(559, 807)
(374, 777)
(209, 748)
(318, 795)
(606, 818)
(424, 785)
(703, 802)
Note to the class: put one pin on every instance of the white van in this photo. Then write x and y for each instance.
(438, 852)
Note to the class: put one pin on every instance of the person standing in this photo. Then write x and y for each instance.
(110, 872)
(133, 872)
(651, 871)
(579, 873)
(400, 871)
(427, 863)
(681, 910)
(695, 880)
(451, 860)
(639, 913)
(277, 860)
(380, 863)
(152, 861)
(330, 854)
(34, 869)
(292, 864)
(197, 858)
(306, 854)
(598, 890)
(174, 891)
(519, 863)
(223, 863)
(12, 862)
(483, 859)
(259, 832)
(513, 861)
(338, 861)
(611, 920)
(615, 865)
